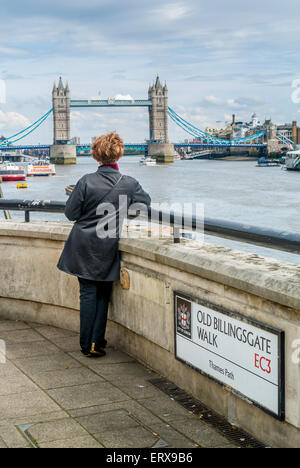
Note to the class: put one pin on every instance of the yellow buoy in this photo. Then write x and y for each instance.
(22, 186)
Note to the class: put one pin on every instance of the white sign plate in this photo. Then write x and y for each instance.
(244, 355)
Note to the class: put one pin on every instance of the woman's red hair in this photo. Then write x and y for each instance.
(108, 149)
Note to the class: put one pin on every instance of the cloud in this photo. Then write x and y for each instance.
(2, 92)
(86, 117)
(171, 12)
(213, 100)
(12, 51)
(235, 104)
(13, 121)
(122, 97)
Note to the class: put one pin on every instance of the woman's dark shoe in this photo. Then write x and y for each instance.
(86, 353)
(97, 352)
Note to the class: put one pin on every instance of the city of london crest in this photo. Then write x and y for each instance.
(184, 317)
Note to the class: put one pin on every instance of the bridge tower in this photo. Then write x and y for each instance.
(159, 146)
(270, 137)
(61, 152)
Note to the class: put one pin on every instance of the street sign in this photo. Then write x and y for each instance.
(242, 354)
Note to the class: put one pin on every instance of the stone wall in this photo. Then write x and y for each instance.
(142, 317)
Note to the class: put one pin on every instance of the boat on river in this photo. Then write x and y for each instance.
(9, 172)
(40, 168)
(265, 162)
(292, 161)
(146, 161)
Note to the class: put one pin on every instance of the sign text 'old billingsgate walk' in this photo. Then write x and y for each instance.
(243, 354)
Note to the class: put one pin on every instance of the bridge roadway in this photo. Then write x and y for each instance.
(138, 146)
(111, 103)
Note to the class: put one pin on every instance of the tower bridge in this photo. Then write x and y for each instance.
(158, 145)
(157, 103)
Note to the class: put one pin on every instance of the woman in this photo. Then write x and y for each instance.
(91, 252)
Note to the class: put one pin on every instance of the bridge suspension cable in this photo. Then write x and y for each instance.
(192, 130)
(284, 139)
(196, 132)
(30, 129)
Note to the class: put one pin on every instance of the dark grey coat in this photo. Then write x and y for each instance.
(85, 254)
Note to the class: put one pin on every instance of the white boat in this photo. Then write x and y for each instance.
(148, 161)
(9, 172)
(40, 168)
(292, 160)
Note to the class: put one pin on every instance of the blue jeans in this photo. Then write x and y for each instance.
(94, 302)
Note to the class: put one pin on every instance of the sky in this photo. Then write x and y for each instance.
(218, 58)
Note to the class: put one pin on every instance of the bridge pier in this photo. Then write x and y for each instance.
(162, 152)
(63, 154)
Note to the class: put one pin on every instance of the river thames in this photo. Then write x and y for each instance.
(230, 190)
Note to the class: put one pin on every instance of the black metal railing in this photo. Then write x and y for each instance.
(274, 239)
(29, 206)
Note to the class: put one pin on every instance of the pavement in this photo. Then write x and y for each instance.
(53, 397)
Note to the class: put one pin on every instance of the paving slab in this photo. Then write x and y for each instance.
(56, 430)
(167, 409)
(132, 407)
(68, 343)
(7, 325)
(12, 436)
(173, 438)
(75, 442)
(21, 336)
(8, 370)
(16, 384)
(114, 420)
(87, 395)
(113, 357)
(200, 432)
(46, 416)
(139, 391)
(25, 404)
(52, 333)
(125, 371)
(38, 364)
(66, 377)
(31, 349)
(2, 443)
(121, 420)
(133, 437)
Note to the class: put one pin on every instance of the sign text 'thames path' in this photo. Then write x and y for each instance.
(243, 354)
